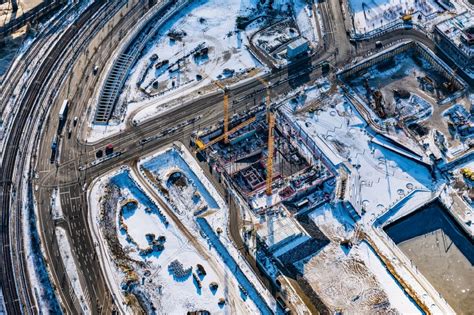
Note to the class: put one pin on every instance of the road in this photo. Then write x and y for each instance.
(20, 134)
(75, 153)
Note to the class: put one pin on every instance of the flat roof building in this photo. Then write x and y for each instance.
(455, 38)
(297, 47)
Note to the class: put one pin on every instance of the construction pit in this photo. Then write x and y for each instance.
(298, 179)
(440, 250)
(408, 87)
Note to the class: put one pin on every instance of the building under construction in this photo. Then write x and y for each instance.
(264, 179)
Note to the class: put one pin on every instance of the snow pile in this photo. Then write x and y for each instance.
(57, 211)
(70, 266)
(195, 47)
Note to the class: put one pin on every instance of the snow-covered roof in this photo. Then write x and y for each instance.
(297, 43)
(279, 232)
(455, 28)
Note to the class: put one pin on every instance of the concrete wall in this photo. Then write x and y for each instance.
(30, 16)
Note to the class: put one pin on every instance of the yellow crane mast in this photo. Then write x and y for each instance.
(271, 123)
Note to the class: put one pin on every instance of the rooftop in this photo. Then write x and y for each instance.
(459, 30)
(297, 42)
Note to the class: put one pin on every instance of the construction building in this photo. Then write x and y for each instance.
(21, 13)
(455, 38)
(296, 48)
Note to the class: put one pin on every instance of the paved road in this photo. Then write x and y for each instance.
(13, 286)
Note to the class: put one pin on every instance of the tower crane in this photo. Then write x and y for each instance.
(226, 132)
(271, 140)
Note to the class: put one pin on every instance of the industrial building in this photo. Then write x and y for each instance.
(297, 48)
(455, 38)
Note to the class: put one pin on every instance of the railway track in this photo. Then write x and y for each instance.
(13, 304)
(15, 71)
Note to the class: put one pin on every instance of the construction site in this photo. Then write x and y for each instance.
(264, 162)
(281, 42)
(409, 88)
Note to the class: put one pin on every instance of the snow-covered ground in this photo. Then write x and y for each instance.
(2, 303)
(202, 24)
(397, 296)
(380, 178)
(205, 23)
(213, 219)
(379, 14)
(140, 214)
(175, 294)
(71, 268)
(38, 273)
(151, 91)
(349, 265)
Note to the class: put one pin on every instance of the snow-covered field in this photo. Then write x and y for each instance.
(143, 217)
(379, 14)
(202, 24)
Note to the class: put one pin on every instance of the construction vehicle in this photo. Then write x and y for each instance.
(407, 18)
(378, 104)
(467, 173)
(450, 84)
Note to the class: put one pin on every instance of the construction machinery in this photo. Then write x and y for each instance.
(450, 85)
(226, 132)
(379, 104)
(408, 16)
(467, 173)
(202, 146)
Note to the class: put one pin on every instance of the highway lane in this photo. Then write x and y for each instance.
(20, 133)
(74, 203)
